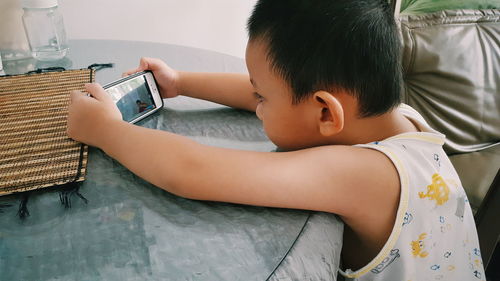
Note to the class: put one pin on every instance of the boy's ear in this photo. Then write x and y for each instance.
(331, 113)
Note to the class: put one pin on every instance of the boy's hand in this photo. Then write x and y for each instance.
(90, 117)
(166, 77)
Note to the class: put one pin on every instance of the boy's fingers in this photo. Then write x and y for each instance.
(144, 64)
(96, 90)
(131, 71)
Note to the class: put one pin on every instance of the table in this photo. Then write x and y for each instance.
(131, 230)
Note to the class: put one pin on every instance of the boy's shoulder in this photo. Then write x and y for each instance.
(420, 154)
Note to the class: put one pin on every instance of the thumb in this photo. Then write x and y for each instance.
(144, 64)
(96, 90)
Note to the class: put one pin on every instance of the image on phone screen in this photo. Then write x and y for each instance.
(133, 98)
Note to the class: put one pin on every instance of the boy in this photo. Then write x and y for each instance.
(325, 79)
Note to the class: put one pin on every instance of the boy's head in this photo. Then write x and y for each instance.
(348, 46)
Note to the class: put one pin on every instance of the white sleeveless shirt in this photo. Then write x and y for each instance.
(434, 236)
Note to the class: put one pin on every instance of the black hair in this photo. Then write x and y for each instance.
(333, 44)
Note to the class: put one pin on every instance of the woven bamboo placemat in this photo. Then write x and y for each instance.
(35, 151)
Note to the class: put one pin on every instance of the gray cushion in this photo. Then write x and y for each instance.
(451, 61)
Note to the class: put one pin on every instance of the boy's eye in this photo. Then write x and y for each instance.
(258, 97)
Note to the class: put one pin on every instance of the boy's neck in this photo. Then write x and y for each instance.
(370, 129)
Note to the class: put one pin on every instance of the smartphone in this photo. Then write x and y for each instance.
(137, 96)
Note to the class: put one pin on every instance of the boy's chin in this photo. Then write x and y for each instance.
(278, 149)
(282, 148)
(299, 146)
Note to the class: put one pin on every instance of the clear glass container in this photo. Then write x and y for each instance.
(1, 66)
(44, 27)
(13, 42)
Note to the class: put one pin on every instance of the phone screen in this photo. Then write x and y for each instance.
(133, 98)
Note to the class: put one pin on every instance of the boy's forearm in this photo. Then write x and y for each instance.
(231, 89)
(159, 157)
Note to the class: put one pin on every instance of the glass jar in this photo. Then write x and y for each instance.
(13, 42)
(44, 27)
(1, 66)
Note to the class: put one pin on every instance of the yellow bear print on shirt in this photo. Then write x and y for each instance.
(417, 246)
(438, 190)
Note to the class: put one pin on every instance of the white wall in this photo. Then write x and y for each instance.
(218, 25)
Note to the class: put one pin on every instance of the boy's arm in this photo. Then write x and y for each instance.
(230, 89)
(340, 179)
(337, 179)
